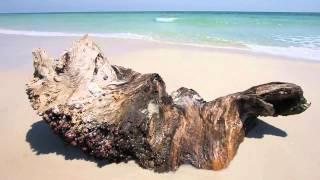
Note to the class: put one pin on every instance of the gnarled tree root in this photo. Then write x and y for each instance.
(117, 114)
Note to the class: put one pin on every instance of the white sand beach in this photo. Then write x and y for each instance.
(281, 148)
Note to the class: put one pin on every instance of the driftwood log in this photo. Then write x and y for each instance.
(117, 114)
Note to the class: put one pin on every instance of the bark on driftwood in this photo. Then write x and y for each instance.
(117, 114)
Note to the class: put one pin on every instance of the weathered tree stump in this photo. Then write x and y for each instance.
(117, 114)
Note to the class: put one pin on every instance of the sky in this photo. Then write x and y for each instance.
(7, 6)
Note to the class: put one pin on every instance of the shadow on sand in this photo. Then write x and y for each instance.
(42, 140)
(262, 128)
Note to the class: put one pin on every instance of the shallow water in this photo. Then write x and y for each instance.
(288, 34)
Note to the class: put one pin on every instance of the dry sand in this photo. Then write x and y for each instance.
(284, 148)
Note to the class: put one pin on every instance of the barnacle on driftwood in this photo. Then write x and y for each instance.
(117, 114)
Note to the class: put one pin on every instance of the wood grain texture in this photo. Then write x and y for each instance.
(117, 114)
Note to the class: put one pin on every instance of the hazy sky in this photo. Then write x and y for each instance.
(158, 5)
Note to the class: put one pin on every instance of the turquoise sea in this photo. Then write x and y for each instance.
(286, 34)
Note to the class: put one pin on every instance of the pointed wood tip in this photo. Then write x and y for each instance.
(85, 37)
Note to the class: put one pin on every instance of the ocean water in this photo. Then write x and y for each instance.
(294, 35)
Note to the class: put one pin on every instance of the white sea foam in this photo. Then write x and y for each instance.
(67, 34)
(303, 41)
(309, 53)
(166, 19)
(291, 52)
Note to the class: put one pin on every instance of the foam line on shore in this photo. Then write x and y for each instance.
(69, 34)
(290, 52)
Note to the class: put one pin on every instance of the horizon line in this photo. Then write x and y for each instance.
(170, 11)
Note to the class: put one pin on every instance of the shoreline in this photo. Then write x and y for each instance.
(142, 44)
(240, 49)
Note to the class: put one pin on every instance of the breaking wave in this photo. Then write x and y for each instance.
(166, 19)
